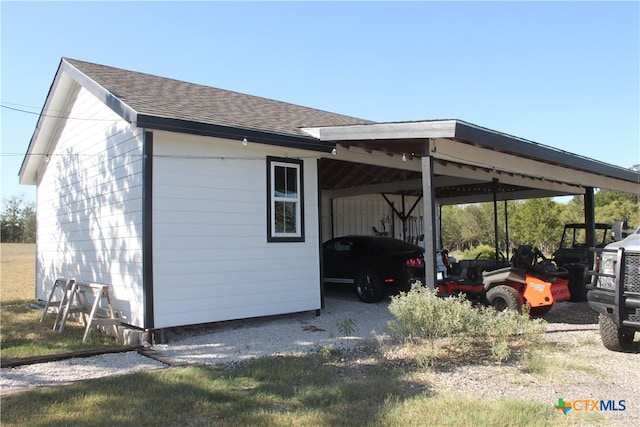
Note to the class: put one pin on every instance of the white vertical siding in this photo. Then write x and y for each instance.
(212, 261)
(359, 215)
(89, 205)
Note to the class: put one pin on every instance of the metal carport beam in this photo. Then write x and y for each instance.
(513, 166)
(513, 195)
(388, 187)
(480, 173)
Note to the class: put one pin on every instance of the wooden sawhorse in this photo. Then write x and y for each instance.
(79, 301)
(57, 306)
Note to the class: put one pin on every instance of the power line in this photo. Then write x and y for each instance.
(54, 116)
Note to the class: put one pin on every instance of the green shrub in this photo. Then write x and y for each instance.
(480, 252)
(420, 313)
(478, 331)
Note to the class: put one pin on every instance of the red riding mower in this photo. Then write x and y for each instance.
(530, 278)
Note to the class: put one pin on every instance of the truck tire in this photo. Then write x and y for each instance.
(503, 297)
(614, 337)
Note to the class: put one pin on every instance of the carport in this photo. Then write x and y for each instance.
(453, 162)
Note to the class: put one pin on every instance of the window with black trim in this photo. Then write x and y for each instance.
(285, 214)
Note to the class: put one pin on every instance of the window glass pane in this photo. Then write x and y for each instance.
(285, 217)
(292, 182)
(286, 182)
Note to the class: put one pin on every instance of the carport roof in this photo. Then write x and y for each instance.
(410, 137)
(467, 158)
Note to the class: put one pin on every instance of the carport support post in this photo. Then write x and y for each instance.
(429, 200)
(589, 221)
(494, 189)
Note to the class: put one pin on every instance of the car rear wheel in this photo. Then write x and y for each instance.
(368, 286)
(504, 298)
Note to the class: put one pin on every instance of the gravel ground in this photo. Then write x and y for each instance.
(224, 343)
(64, 371)
(580, 367)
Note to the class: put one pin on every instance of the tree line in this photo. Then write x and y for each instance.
(536, 222)
(18, 220)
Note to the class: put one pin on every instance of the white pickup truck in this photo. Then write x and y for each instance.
(614, 291)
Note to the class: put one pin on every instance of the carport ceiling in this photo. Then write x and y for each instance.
(342, 179)
(341, 175)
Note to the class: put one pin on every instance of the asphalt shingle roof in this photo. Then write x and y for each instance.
(168, 98)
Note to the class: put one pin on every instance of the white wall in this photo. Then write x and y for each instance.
(358, 215)
(89, 205)
(212, 261)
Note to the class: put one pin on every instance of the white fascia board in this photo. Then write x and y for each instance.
(66, 79)
(404, 130)
(45, 127)
(516, 195)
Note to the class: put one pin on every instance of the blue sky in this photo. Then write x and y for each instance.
(564, 74)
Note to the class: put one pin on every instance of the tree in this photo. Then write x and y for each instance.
(451, 220)
(605, 197)
(572, 212)
(537, 222)
(619, 209)
(18, 220)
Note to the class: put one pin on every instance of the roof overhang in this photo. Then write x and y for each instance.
(227, 132)
(68, 79)
(477, 154)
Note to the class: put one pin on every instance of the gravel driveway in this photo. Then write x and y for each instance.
(580, 367)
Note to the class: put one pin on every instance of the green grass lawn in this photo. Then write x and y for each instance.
(312, 390)
(21, 333)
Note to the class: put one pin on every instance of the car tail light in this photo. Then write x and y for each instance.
(414, 262)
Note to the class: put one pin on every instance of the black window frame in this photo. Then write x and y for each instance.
(298, 236)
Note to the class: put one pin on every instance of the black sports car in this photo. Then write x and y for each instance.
(373, 263)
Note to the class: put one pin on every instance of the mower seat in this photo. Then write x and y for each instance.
(524, 257)
(503, 275)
